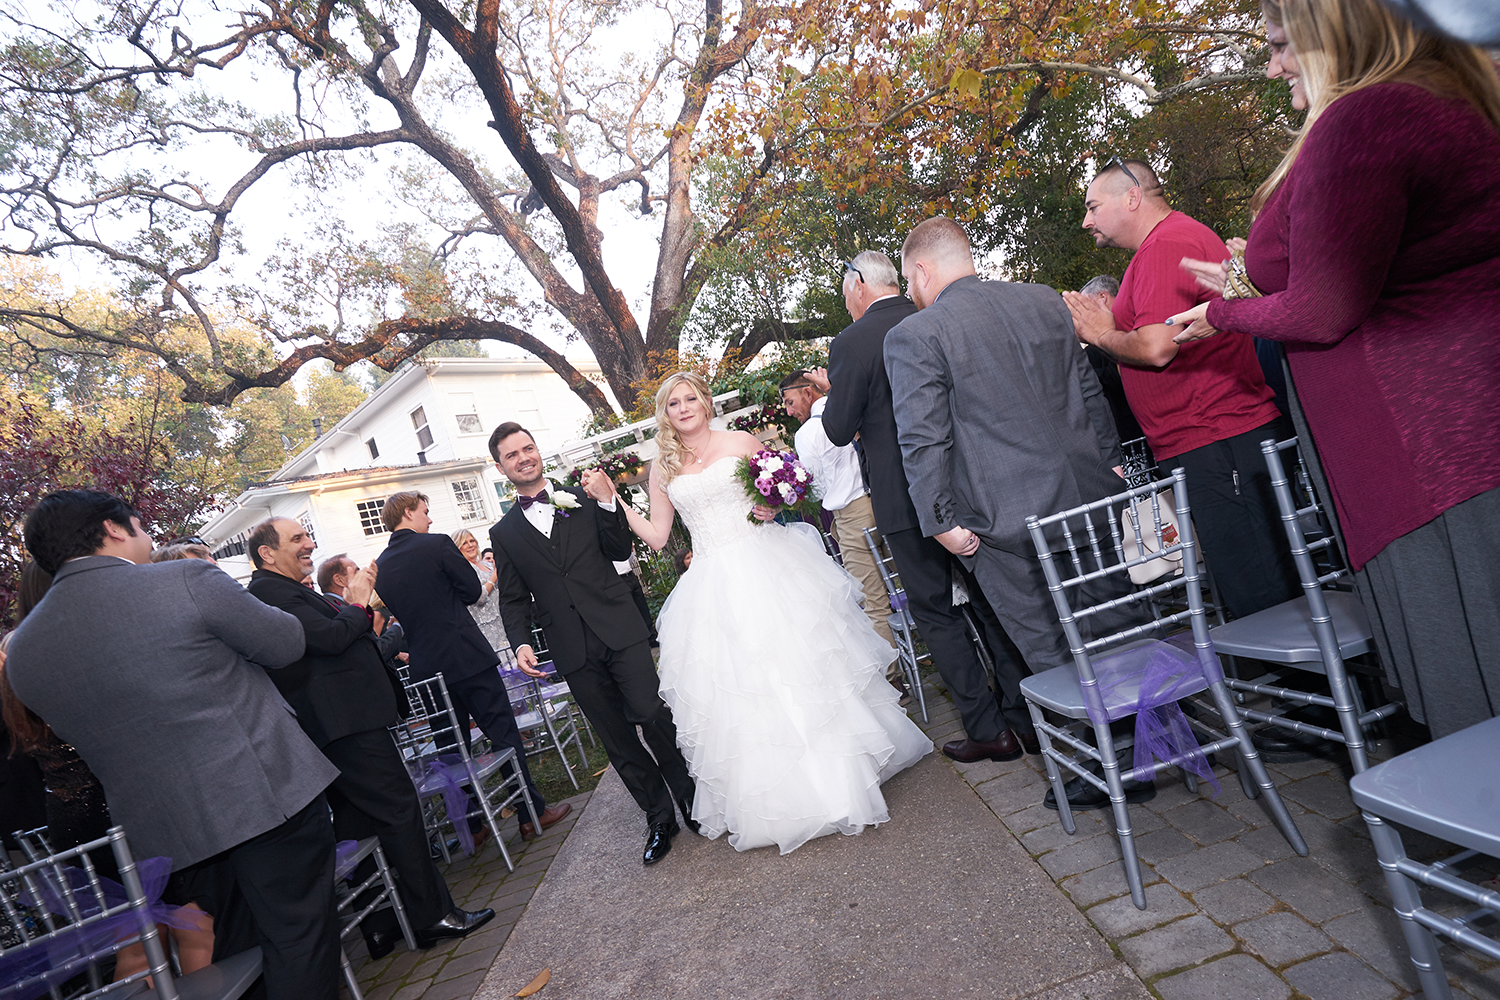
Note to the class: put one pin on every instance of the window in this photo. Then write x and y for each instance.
(528, 413)
(424, 433)
(468, 499)
(232, 546)
(369, 516)
(374, 451)
(466, 413)
(305, 519)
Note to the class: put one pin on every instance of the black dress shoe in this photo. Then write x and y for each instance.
(1002, 747)
(382, 943)
(1030, 742)
(455, 925)
(659, 841)
(1083, 795)
(686, 805)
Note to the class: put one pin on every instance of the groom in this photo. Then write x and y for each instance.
(559, 551)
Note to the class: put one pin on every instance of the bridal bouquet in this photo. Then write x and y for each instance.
(777, 480)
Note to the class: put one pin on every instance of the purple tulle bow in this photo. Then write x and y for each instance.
(31, 971)
(1167, 671)
(448, 775)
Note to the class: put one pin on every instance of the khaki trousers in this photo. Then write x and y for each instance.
(849, 526)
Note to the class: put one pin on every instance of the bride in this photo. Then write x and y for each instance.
(774, 676)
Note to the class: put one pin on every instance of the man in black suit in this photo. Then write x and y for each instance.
(559, 551)
(997, 724)
(345, 702)
(429, 585)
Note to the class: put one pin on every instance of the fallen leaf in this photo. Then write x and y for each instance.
(542, 979)
(597, 773)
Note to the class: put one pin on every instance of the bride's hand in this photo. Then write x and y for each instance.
(598, 485)
(763, 513)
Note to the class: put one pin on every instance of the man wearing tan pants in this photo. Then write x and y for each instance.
(837, 478)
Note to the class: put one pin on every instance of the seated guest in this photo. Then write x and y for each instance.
(211, 770)
(345, 702)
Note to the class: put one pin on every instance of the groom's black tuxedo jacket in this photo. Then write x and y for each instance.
(570, 576)
(340, 686)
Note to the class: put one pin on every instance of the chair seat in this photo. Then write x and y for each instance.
(223, 980)
(1284, 634)
(1058, 689)
(1444, 788)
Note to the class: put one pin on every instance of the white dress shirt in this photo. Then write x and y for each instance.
(541, 515)
(835, 470)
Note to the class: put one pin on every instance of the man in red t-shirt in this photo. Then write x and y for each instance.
(1205, 410)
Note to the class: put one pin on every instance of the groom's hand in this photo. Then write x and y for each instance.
(598, 485)
(526, 660)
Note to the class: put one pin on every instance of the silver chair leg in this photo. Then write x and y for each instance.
(1406, 901)
(389, 877)
(1054, 774)
(1121, 813)
(349, 980)
(1250, 759)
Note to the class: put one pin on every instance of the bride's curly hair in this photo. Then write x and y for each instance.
(671, 452)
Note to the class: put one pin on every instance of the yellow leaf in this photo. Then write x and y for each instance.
(542, 979)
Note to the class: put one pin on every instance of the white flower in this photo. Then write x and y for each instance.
(787, 493)
(801, 474)
(563, 500)
(773, 465)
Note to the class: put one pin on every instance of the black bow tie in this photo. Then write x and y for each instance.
(527, 501)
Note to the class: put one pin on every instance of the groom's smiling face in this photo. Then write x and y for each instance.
(519, 460)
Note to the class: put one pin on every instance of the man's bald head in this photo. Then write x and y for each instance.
(1123, 203)
(1120, 176)
(936, 253)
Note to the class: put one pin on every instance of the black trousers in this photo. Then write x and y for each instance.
(275, 890)
(486, 699)
(639, 596)
(373, 796)
(1239, 525)
(618, 689)
(926, 570)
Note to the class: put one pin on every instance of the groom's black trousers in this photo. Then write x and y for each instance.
(619, 690)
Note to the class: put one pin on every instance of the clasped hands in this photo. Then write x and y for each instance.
(1214, 277)
(598, 485)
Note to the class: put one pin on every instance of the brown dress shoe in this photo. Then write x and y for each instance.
(1002, 747)
(549, 816)
(1029, 740)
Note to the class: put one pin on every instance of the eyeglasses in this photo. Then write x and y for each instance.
(849, 265)
(1115, 161)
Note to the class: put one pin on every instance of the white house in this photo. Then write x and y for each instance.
(426, 429)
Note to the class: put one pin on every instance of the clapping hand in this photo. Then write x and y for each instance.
(362, 586)
(1209, 274)
(1090, 318)
(598, 485)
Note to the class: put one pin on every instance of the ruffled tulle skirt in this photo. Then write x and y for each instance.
(777, 685)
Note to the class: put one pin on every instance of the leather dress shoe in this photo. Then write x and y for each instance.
(1029, 741)
(1082, 795)
(549, 816)
(686, 805)
(903, 692)
(1002, 747)
(659, 841)
(455, 925)
(382, 943)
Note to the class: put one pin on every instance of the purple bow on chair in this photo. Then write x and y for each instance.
(447, 774)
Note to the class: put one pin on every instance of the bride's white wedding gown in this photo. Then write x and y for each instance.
(775, 678)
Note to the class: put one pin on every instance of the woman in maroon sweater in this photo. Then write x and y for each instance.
(1376, 248)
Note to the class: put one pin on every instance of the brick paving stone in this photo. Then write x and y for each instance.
(462, 988)
(1014, 791)
(1297, 770)
(1054, 837)
(1175, 946)
(1159, 845)
(1104, 883)
(1037, 816)
(1080, 857)
(1233, 977)
(1280, 938)
(1323, 794)
(1170, 793)
(474, 961)
(1268, 842)
(1340, 976)
(1208, 865)
(1309, 889)
(1204, 821)
(1479, 982)
(381, 993)
(1353, 858)
(1233, 901)
(1373, 933)
(1120, 917)
(1251, 812)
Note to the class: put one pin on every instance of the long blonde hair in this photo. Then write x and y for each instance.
(671, 452)
(1347, 45)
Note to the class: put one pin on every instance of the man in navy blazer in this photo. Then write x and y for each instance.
(429, 585)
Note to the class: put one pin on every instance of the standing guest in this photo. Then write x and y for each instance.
(334, 577)
(1104, 288)
(1038, 438)
(1375, 260)
(345, 703)
(486, 610)
(996, 723)
(1205, 407)
(428, 583)
(558, 553)
(841, 490)
(183, 550)
(199, 755)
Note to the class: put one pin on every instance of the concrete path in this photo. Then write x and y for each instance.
(940, 902)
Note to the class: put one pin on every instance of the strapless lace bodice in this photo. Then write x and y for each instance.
(713, 505)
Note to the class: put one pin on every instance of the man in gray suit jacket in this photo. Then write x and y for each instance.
(154, 673)
(999, 417)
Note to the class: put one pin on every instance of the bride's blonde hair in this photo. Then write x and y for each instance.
(671, 452)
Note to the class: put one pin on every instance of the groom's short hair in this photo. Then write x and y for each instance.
(504, 431)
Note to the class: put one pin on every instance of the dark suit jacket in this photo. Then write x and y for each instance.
(571, 577)
(340, 686)
(155, 674)
(1000, 414)
(428, 584)
(859, 402)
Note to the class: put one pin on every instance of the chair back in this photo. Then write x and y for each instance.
(1087, 544)
(61, 918)
(1300, 509)
(432, 729)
